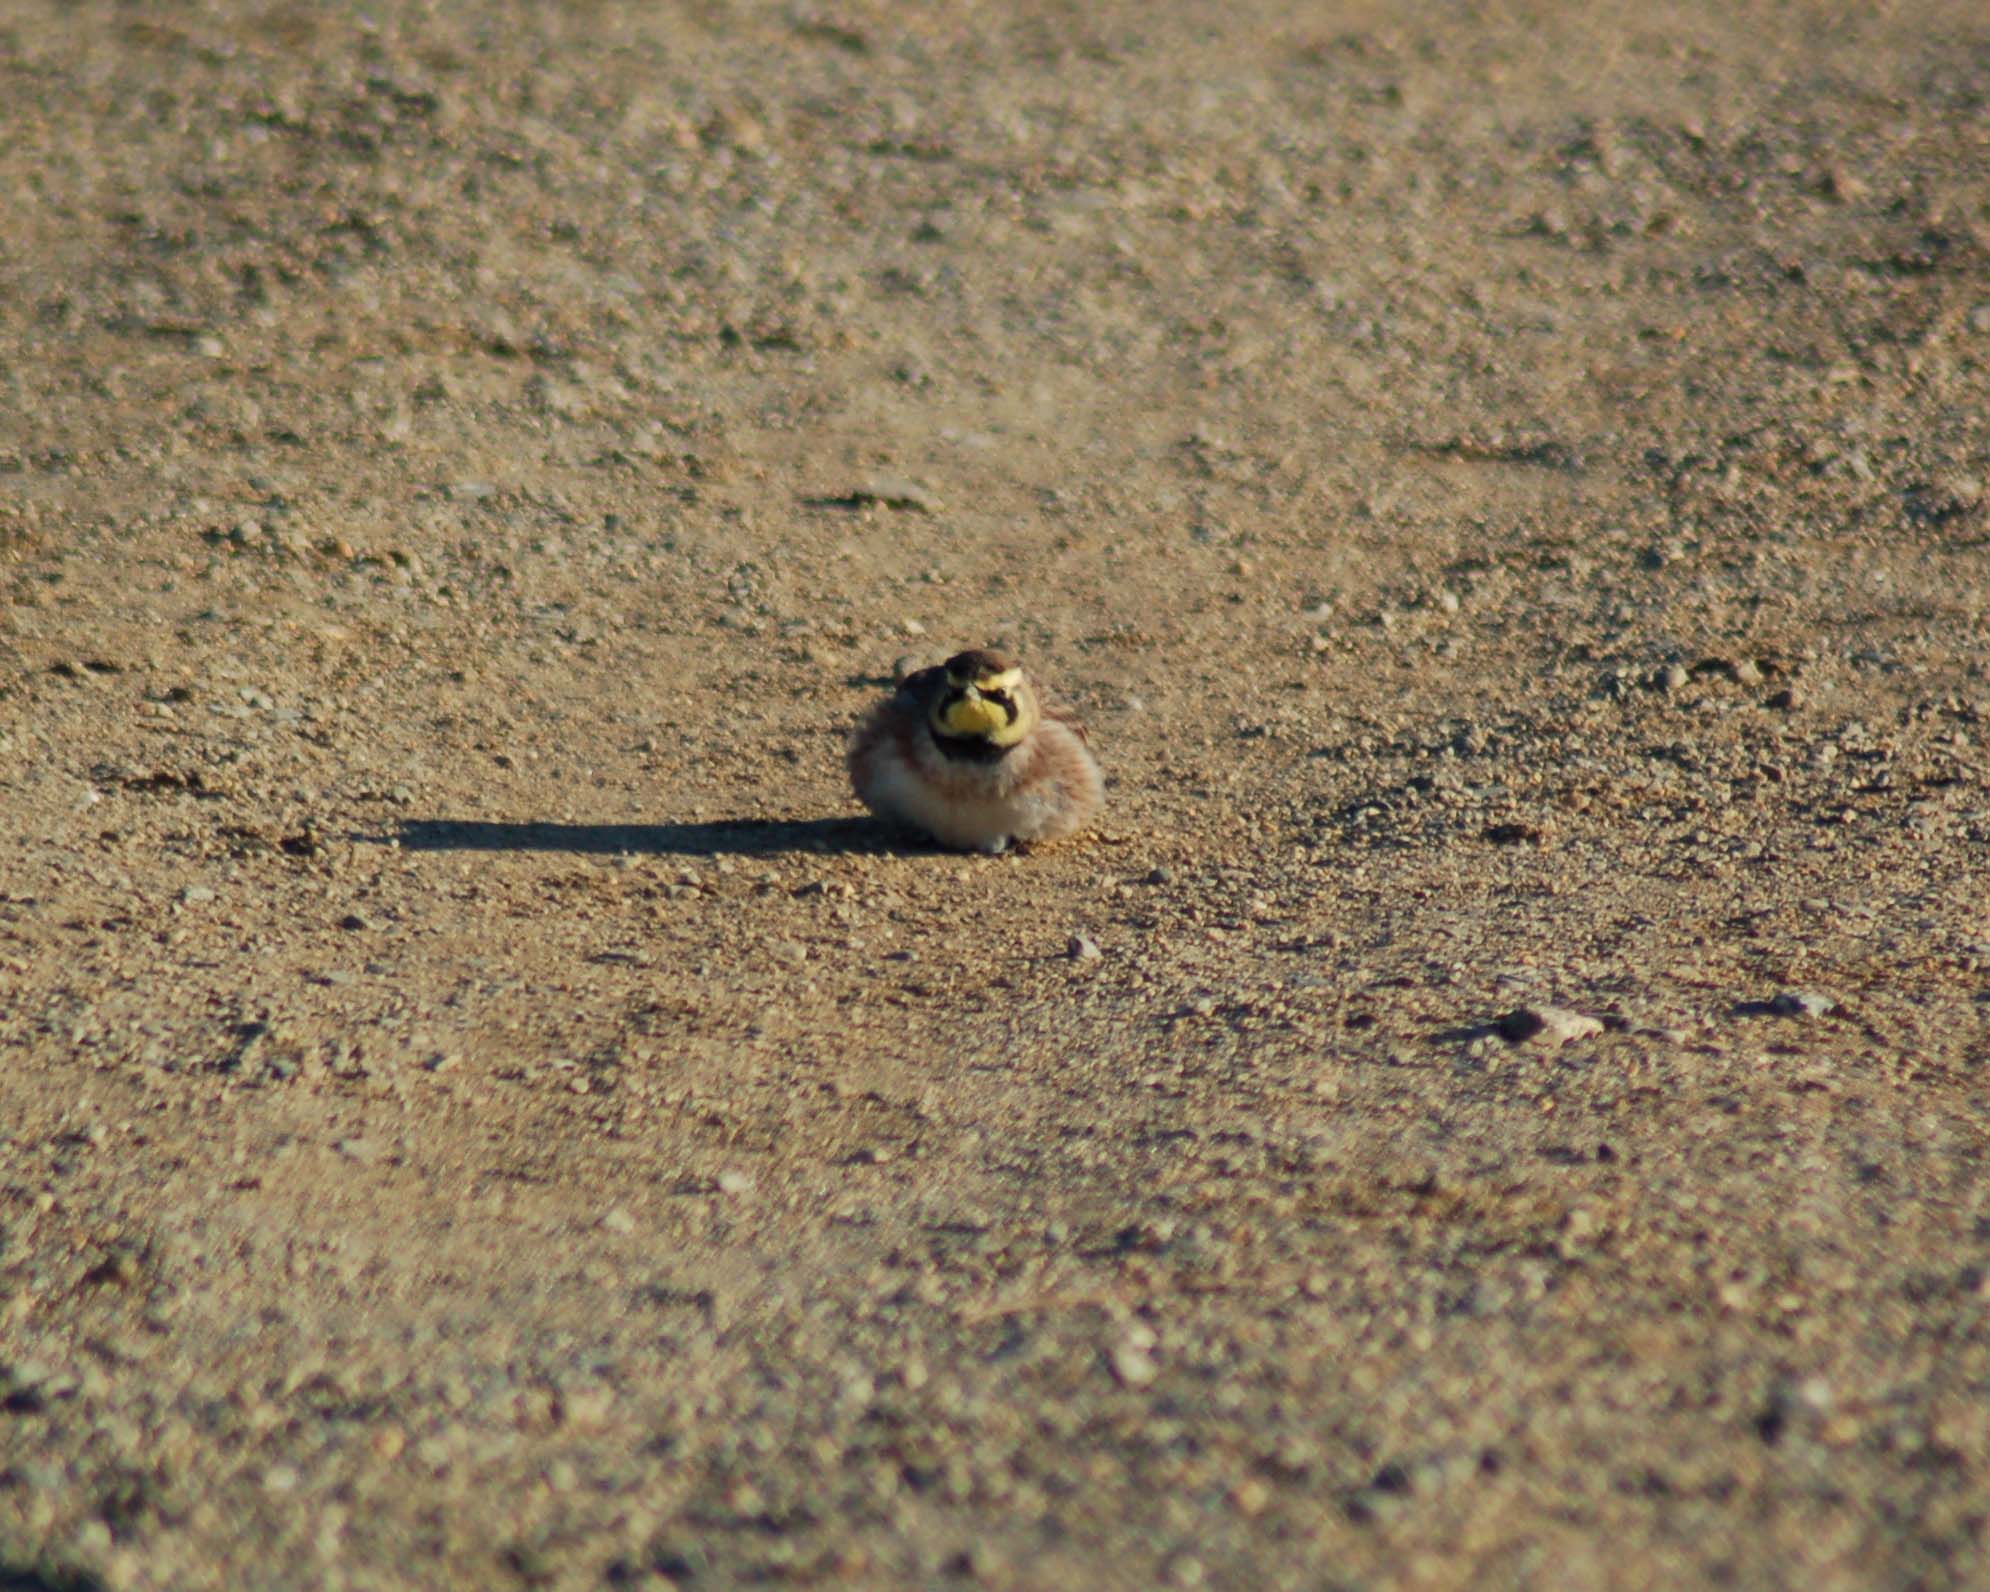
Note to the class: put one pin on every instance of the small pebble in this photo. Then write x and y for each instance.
(1081, 949)
(1133, 1365)
(1549, 1027)
(585, 1406)
(1249, 1497)
(731, 1182)
(1801, 1003)
(898, 492)
(976, 1562)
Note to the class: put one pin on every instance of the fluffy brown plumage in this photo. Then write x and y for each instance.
(974, 755)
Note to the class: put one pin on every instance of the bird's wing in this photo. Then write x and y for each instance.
(1065, 715)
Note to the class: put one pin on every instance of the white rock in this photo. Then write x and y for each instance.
(1548, 1027)
(1133, 1365)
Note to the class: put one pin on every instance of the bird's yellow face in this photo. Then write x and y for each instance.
(984, 697)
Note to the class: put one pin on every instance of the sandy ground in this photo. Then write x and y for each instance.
(479, 1105)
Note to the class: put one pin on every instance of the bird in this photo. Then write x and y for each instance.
(976, 756)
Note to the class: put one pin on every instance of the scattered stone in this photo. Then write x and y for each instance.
(1672, 677)
(584, 1406)
(28, 1386)
(1160, 875)
(1133, 1363)
(618, 1221)
(1549, 1027)
(1801, 1003)
(732, 1182)
(1082, 949)
(353, 923)
(892, 492)
(1249, 1497)
(976, 1562)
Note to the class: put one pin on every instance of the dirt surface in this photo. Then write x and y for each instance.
(480, 1107)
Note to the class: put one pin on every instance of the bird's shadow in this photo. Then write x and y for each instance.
(726, 837)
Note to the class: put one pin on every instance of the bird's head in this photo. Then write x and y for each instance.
(983, 696)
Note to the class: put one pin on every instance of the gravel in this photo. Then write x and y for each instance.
(479, 1105)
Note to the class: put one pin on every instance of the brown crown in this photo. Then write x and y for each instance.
(979, 662)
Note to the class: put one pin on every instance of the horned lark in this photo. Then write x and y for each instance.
(970, 753)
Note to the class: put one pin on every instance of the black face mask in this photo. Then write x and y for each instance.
(968, 748)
